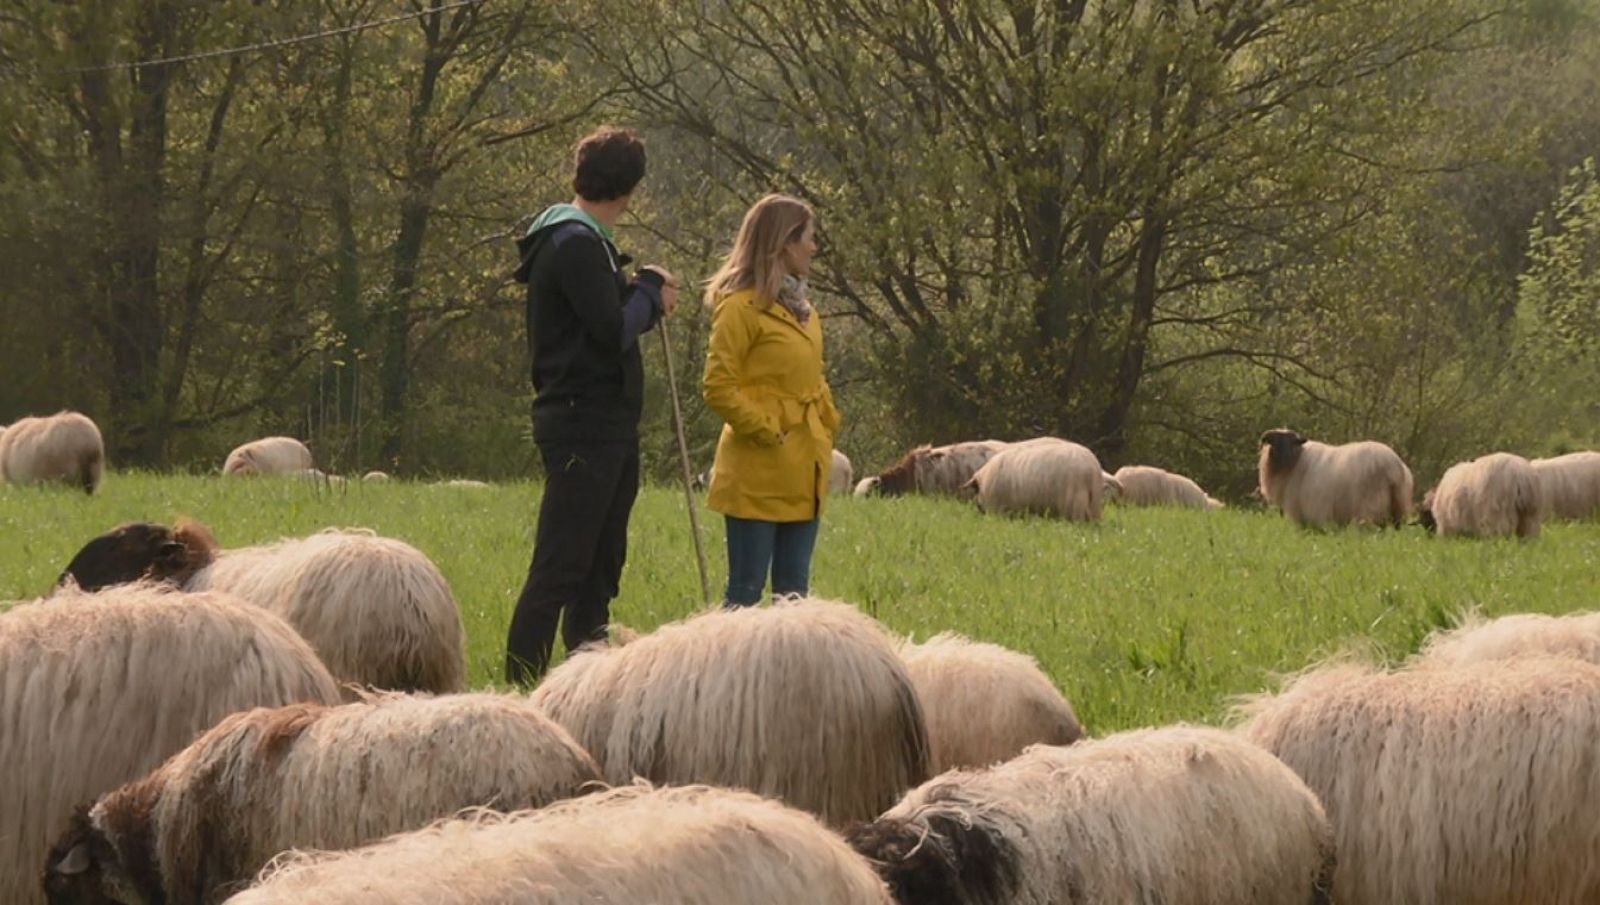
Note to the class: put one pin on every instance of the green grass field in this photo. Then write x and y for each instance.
(1148, 618)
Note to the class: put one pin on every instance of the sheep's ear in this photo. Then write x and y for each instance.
(74, 862)
(1299, 440)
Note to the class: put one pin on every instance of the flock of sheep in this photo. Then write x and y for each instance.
(289, 723)
(1315, 484)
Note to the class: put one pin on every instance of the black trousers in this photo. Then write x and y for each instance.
(578, 553)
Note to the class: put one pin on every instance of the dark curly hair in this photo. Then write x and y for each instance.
(608, 164)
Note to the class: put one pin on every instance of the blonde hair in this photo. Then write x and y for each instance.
(769, 227)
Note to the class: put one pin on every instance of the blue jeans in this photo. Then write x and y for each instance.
(754, 545)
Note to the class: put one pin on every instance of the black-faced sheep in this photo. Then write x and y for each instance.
(65, 447)
(1477, 639)
(1491, 496)
(375, 609)
(269, 455)
(633, 845)
(1179, 816)
(841, 477)
(1451, 786)
(1571, 484)
(939, 471)
(1145, 485)
(1316, 484)
(99, 690)
(804, 701)
(307, 776)
(1045, 476)
(983, 703)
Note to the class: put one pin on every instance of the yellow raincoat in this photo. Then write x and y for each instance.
(764, 377)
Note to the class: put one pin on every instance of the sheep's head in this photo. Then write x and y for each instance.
(141, 551)
(1283, 449)
(901, 477)
(1425, 513)
(1112, 487)
(940, 858)
(84, 868)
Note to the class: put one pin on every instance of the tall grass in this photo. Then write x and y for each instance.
(1150, 617)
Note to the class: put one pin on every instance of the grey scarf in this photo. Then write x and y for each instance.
(793, 296)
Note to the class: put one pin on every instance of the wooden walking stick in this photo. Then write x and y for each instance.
(683, 456)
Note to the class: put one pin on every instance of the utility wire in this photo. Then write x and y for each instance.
(252, 48)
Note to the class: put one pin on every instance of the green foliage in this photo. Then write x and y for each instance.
(1147, 618)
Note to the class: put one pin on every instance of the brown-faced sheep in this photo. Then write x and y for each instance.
(1146, 485)
(64, 447)
(804, 701)
(308, 776)
(375, 609)
(1491, 496)
(1477, 639)
(100, 691)
(1045, 476)
(1179, 815)
(1316, 484)
(269, 455)
(940, 471)
(1452, 786)
(1571, 484)
(841, 477)
(983, 703)
(690, 844)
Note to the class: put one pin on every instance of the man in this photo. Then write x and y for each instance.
(584, 321)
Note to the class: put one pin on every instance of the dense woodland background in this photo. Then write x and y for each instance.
(1152, 226)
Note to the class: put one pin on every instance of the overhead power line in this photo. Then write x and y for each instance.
(252, 48)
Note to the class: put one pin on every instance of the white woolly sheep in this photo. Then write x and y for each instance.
(375, 609)
(937, 470)
(1146, 485)
(1571, 484)
(269, 455)
(1477, 639)
(1316, 484)
(1179, 815)
(308, 776)
(1491, 496)
(1469, 786)
(690, 844)
(376, 476)
(983, 703)
(65, 447)
(841, 477)
(99, 689)
(805, 701)
(1045, 476)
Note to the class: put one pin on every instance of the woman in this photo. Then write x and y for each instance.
(764, 377)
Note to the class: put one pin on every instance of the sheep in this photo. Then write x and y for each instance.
(376, 476)
(689, 844)
(100, 692)
(1476, 639)
(271, 779)
(942, 470)
(983, 703)
(805, 701)
(375, 609)
(1112, 487)
(1145, 485)
(465, 482)
(1493, 495)
(1317, 485)
(865, 487)
(1045, 476)
(1571, 484)
(1176, 815)
(269, 455)
(841, 477)
(65, 447)
(1469, 786)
